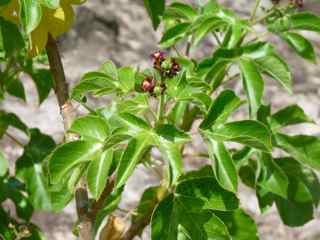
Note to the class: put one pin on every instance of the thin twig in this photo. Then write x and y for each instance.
(137, 227)
(216, 38)
(14, 139)
(260, 19)
(177, 50)
(196, 155)
(232, 78)
(255, 9)
(98, 204)
(67, 112)
(188, 49)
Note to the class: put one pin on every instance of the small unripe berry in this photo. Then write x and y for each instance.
(148, 84)
(158, 57)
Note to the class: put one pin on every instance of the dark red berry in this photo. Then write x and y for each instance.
(275, 1)
(175, 68)
(158, 57)
(148, 84)
(297, 3)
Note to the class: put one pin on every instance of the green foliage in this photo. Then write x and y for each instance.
(155, 10)
(150, 117)
(10, 39)
(29, 169)
(31, 14)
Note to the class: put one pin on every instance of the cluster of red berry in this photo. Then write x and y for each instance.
(297, 3)
(167, 67)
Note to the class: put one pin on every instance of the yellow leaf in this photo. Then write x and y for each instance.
(59, 20)
(10, 11)
(54, 21)
(39, 38)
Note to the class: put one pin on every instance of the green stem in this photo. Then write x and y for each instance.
(161, 110)
(231, 78)
(260, 19)
(217, 38)
(161, 106)
(255, 9)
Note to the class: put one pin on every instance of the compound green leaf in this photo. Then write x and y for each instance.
(221, 109)
(305, 149)
(180, 10)
(91, 127)
(155, 9)
(60, 195)
(131, 157)
(171, 133)
(134, 122)
(97, 83)
(293, 213)
(240, 225)
(148, 201)
(206, 27)
(301, 45)
(136, 105)
(289, 115)
(11, 119)
(200, 190)
(172, 216)
(253, 84)
(223, 166)
(176, 114)
(98, 172)
(126, 78)
(278, 69)
(11, 39)
(248, 132)
(22, 203)
(109, 69)
(304, 184)
(29, 169)
(171, 152)
(15, 88)
(43, 81)
(174, 34)
(272, 178)
(31, 14)
(257, 50)
(305, 21)
(68, 155)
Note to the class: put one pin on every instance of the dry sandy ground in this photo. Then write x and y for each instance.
(120, 30)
